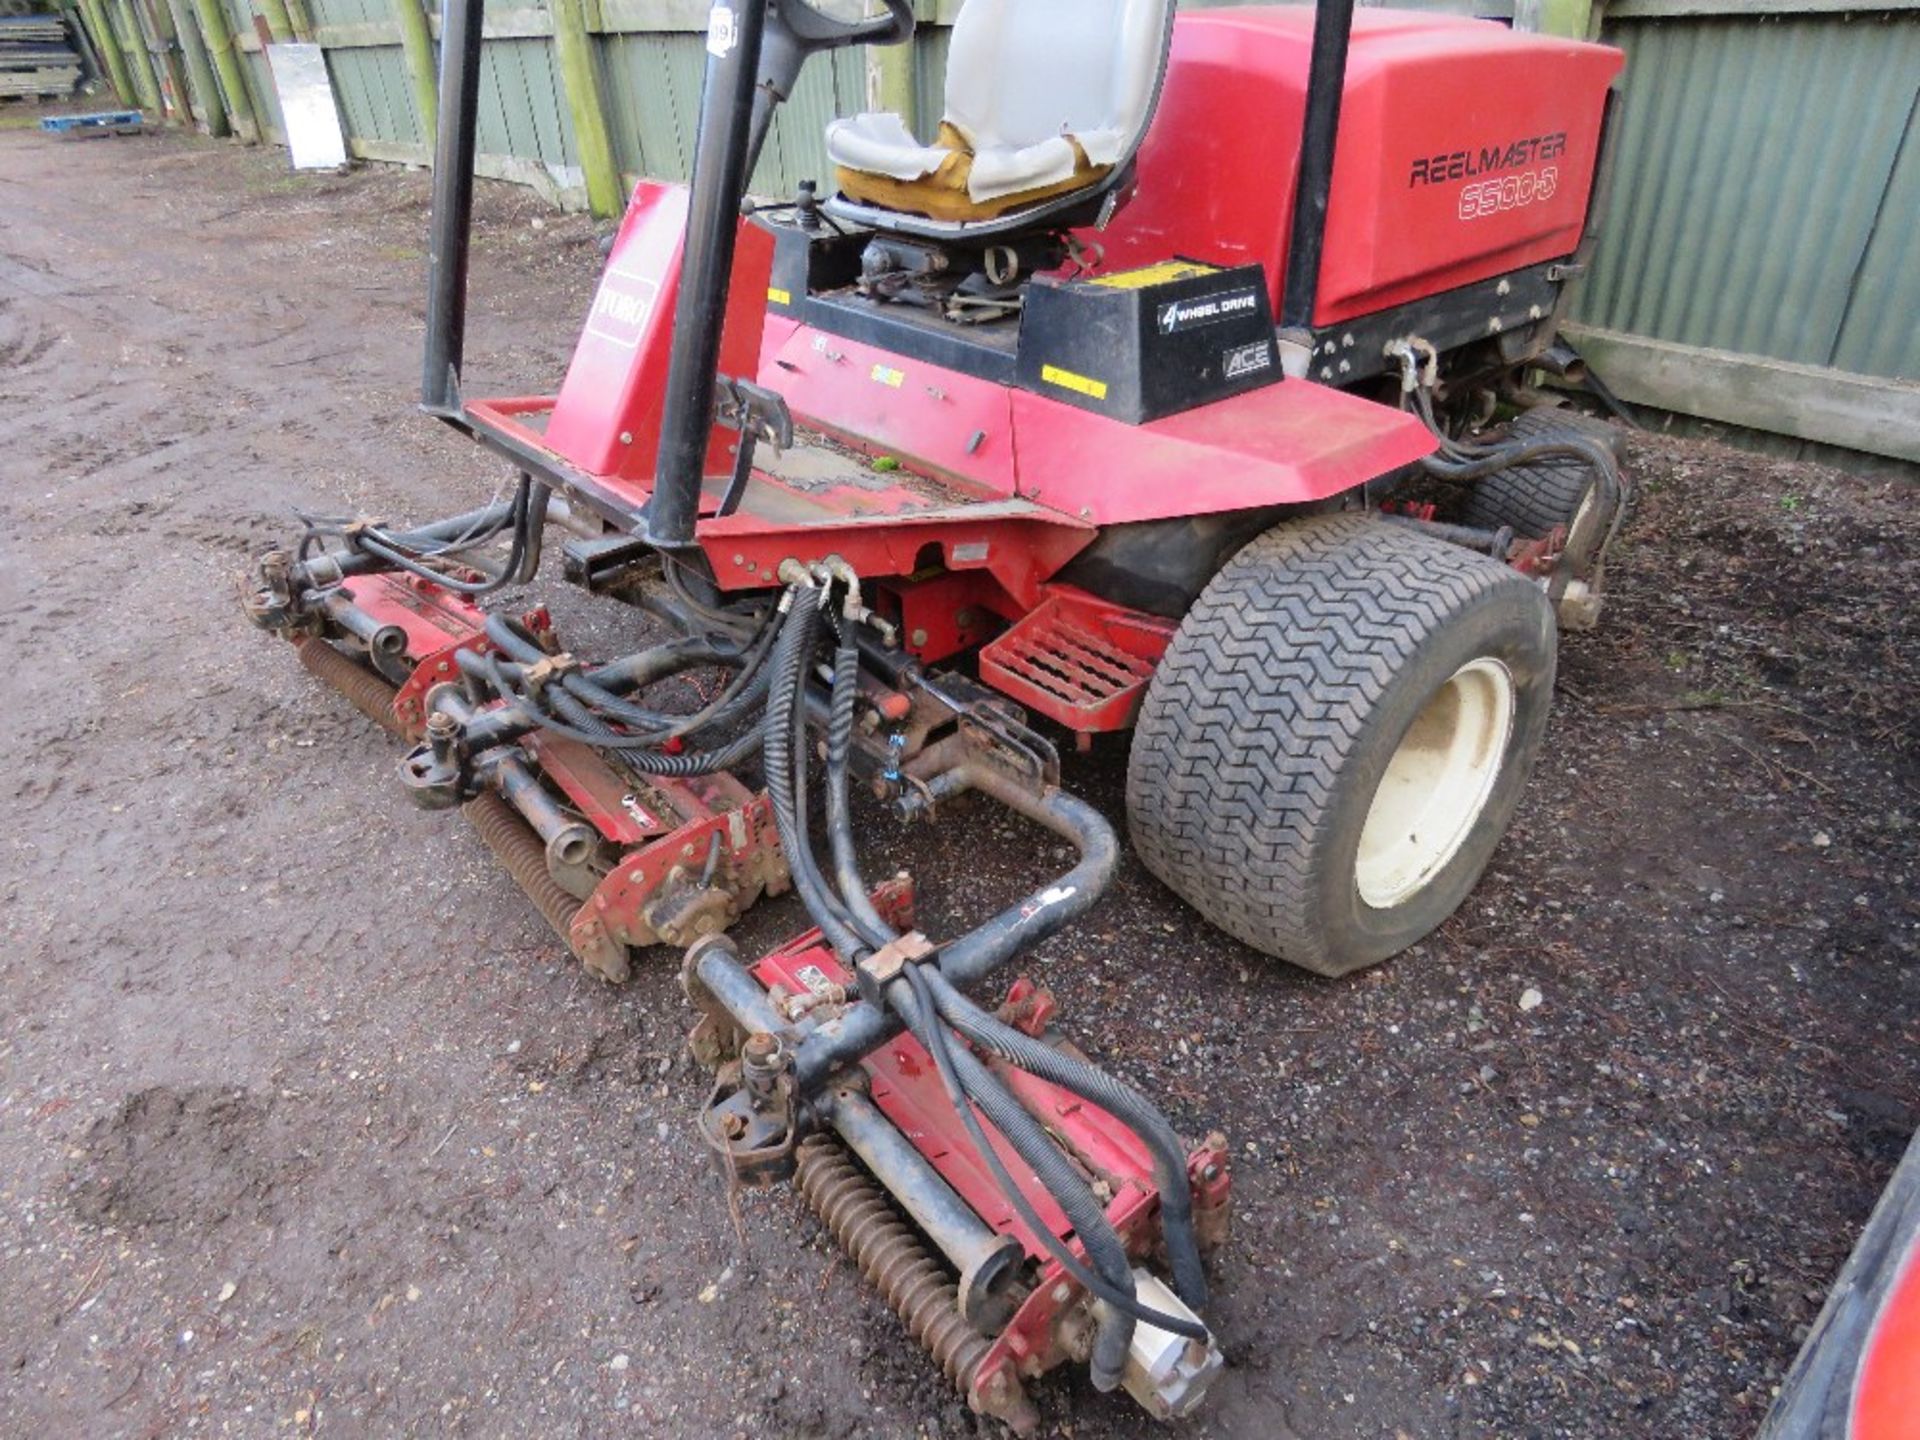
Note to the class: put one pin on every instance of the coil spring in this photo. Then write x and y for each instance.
(370, 695)
(519, 850)
(890, 1255)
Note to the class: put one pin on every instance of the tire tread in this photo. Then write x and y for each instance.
(1261, 698)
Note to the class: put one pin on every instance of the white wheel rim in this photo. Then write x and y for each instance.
(1437, 783)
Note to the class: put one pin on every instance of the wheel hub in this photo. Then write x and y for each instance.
(1437, 783)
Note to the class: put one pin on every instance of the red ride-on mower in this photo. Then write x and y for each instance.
(1000, 425)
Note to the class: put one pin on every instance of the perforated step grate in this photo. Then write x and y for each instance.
(1079, 660)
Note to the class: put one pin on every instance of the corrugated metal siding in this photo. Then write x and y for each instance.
(1766, 190)
(1881, 332)
(652, 91)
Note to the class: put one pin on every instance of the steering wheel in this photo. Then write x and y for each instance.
(813, 30)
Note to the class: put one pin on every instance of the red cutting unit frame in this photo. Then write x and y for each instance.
(904, 1084)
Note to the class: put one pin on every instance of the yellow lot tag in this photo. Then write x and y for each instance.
(1155, 275)
(1067, 380)
(887, 375)
(779, 296)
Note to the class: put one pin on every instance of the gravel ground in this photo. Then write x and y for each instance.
(308, 1126)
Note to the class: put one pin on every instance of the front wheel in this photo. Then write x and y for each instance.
(1338, 737)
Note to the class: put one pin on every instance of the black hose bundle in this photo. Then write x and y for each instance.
(969, 1083)
(575, 706)
(1118, 1099)
(856, 930)
(1461, 461)
(416, 552)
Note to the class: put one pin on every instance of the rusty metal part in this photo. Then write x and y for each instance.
(519, 850)
(900, 1267)
(751, 1130)
(1208, 1174)
(763, 1061)
(680, 915)
(883, 967)
(370, 695)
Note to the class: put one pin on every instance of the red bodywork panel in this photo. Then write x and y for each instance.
(987, 478)
(1886, 1397)
(437, 622)
(1286, 444)
(947, 424)
(606, 420)
(1465, 150)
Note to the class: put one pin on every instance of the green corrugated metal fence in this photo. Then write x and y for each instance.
(1757, 263)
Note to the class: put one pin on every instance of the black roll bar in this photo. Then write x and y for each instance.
(1326, 83)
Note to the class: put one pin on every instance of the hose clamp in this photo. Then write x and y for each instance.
(890, 961)
(554, 667)
(1419, 363)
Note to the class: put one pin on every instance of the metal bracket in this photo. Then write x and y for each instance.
(754, 410)
(886, 964)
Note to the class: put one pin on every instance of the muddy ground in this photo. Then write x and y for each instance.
(307, 1125)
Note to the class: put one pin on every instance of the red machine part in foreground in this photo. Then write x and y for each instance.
(1051, 1325)
(675, 859)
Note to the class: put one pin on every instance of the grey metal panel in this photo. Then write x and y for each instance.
(796, 149)
(930, 77)
(500, 116)
(1881, 332)
(349, 70)
(347, 12)
(387, 80)
(266, 103)
(1752, 197)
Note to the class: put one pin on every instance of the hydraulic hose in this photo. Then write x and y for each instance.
(743, 692)
(846, 868)
(786, 780)
(969, 1083)
(1088, 1082)
(456, 532)
(576, 722)
(1024, 924)
(1114, 1096)
(1459, 461)
(634, 672)
(526, 543)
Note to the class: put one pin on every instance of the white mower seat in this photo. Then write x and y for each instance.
(1043, 98)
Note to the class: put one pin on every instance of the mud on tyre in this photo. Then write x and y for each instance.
(1339, 735)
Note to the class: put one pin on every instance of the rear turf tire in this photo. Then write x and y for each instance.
(1334, 663)
(1531, 498)
(1535, 497)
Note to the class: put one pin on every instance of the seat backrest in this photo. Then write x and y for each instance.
(1023, 71)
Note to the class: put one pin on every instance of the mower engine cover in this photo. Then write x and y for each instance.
(1466, 150)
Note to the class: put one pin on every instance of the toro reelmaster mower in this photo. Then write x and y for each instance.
(992, 440)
